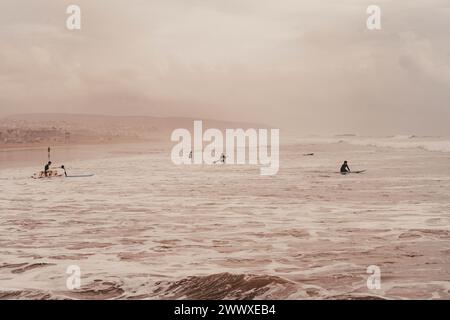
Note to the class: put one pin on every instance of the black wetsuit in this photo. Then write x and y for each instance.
(46, 168)
(345, 168)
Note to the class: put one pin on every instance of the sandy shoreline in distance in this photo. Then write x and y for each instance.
(36, 155)
(33, 146)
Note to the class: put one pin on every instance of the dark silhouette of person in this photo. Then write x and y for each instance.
(345, 168)
(47, 167)
(64, 168)
(223, 158)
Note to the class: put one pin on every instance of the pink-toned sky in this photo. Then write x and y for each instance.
(306, 64)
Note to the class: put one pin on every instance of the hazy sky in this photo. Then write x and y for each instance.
(307, 64)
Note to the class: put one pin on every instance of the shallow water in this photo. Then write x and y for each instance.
(145, 228)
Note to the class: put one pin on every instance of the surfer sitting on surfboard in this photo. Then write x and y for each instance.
(345, 168)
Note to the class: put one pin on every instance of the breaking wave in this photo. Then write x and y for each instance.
(216, 286)
(404, 142)
(226, 286)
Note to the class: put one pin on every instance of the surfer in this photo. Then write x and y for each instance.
(47, 167)
(64, 168)
(345, 168)
(222, 159)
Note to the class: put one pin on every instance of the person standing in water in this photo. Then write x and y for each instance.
(64, 168)
(223, 157)
(345, 168)
(47, 167)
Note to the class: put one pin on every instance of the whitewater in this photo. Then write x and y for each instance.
(144, 228)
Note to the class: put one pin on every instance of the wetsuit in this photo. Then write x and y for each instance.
(46, 168)
(345, 168)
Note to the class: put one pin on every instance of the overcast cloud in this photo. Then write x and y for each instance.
(306, 64)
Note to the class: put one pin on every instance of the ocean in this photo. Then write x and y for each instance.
(144, 228)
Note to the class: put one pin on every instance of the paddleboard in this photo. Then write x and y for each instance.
(56, 173)
(81, 176)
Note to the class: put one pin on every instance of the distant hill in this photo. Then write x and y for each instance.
(104, 120)
(84, 128)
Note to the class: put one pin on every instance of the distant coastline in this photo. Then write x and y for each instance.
(38, 130)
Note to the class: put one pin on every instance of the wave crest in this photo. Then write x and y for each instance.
(226, 286)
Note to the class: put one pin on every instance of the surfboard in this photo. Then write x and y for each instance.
(359, 171)
(81, 176)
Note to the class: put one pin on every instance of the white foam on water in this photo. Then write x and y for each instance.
(141, 222)
(403, 142)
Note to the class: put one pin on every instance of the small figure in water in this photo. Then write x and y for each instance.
(190, 155)
(64, 168)
(47, 167)
(223, 157)
(345, 168)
